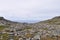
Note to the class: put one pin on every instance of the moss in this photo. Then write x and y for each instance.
(5, 36)
(45, 28)
(2, 27)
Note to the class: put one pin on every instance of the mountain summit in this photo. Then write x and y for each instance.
(57, 17)
(1, 18)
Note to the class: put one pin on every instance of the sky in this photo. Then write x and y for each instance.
(29, 10)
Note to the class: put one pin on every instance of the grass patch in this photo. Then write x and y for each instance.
(2, 27)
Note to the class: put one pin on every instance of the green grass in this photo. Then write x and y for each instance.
(5, 36)
(2, 27)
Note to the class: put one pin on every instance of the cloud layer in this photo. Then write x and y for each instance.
(29, 9)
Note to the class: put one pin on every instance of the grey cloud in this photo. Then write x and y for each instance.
(29, 9)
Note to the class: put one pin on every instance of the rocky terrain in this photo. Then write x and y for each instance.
(44, 30)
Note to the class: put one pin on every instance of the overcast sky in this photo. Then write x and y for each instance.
(29, 10)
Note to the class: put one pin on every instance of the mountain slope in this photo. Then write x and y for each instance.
(53, 21)
(45, 28)
(9, 23)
